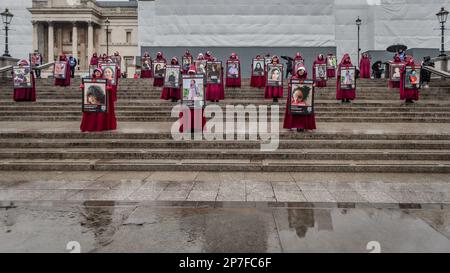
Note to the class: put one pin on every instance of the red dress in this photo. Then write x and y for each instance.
(159, 81)
(234, 82)
(258, 81)
(66, 81)
(215, 91)
(407, 93)
(331, 71)
(96, 122)
(26, 94)
(307, 122)
(169, 93)
(364, 67)
(319, 82)
(342, 94)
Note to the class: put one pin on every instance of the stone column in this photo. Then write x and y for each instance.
(51, 55)
(35, 35)
(90, 38)
(74, 40)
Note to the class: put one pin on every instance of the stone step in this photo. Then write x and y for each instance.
(238, 154)
(39, 143)
(350, 166)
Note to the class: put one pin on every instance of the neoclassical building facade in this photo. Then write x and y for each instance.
(78, 28)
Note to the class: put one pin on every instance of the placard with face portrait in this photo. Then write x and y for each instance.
(301, 97)
(331, 62)
(200, 66)
(274, 75)
(267, 60)
(35, 59)
(193, 95)
(395, 72)
(412, 77)
(172, 77)
(321, 72)
(213, 72)
(348, 78)
(22, 76)
(258, 67)
(146, 64)
(109, 72)
(233, 68)
(159, 69)
(59, 70)
(95, 96)
(186, 62)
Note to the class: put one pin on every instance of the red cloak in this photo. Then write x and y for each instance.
(364, 67)
(273, 91)
(342, 94)
(66, 81)
(26, 94)
(408, 93)
(234, 82)
(319, 82)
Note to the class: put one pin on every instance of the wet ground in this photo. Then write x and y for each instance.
(110, 226)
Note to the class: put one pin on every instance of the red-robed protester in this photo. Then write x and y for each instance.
(331, 71)
(208, 56)
(146, 73)
(258, 81)
(407, 93)
(66, 81)
(397, 60)
(320, 82)
(94, 59)
(168, 93)
(234, 82)
(159, 58)
(214, 91)
(299, 122)
(29, 93)
(192, 125)
(273, 92)
(96, 122)
(364, 66)
(345, 95)
(187, 54)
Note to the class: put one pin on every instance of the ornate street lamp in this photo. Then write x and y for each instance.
(442, 16)
(358, 23)
(6, 18)
(107, 23)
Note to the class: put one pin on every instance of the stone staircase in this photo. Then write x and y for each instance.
(350, 138)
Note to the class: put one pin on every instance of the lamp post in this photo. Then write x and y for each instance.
(107, 36)
(358, 23)
(442, 16)
(6, 18)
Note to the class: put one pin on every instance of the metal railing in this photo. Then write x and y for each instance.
(43, 66)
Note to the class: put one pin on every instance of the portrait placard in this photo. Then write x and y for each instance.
(159, 69)
(348, 78)
(258, 67)
(109, 72)
(193, 95)
(395, 72)
(172, 76)
(59, 70)
(301, 94)
(22, 76)
(331, 62)
(95, 96)
(213, 72)
(200, 66)
(233, 69)
(186, 62)
(267, 60)
(146, 63)
(274, 75)
(321, 72)
(35, 59)
(412, 78)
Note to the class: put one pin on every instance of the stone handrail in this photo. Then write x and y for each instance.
(436, 71)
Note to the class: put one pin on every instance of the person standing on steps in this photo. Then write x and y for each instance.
(344, 95)
(25, 93)
(300, 122)
(159, 81)
(364, 66)
(409, 92)
(73, 64)
(274, 92)
(66, 81)
(234, 82)
(320, 79)
(169, 93)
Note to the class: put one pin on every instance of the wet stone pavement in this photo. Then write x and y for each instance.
(223, 212)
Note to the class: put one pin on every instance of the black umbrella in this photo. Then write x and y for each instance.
(287, 58)
(396, 48)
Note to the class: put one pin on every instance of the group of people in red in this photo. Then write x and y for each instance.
(216, 91)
